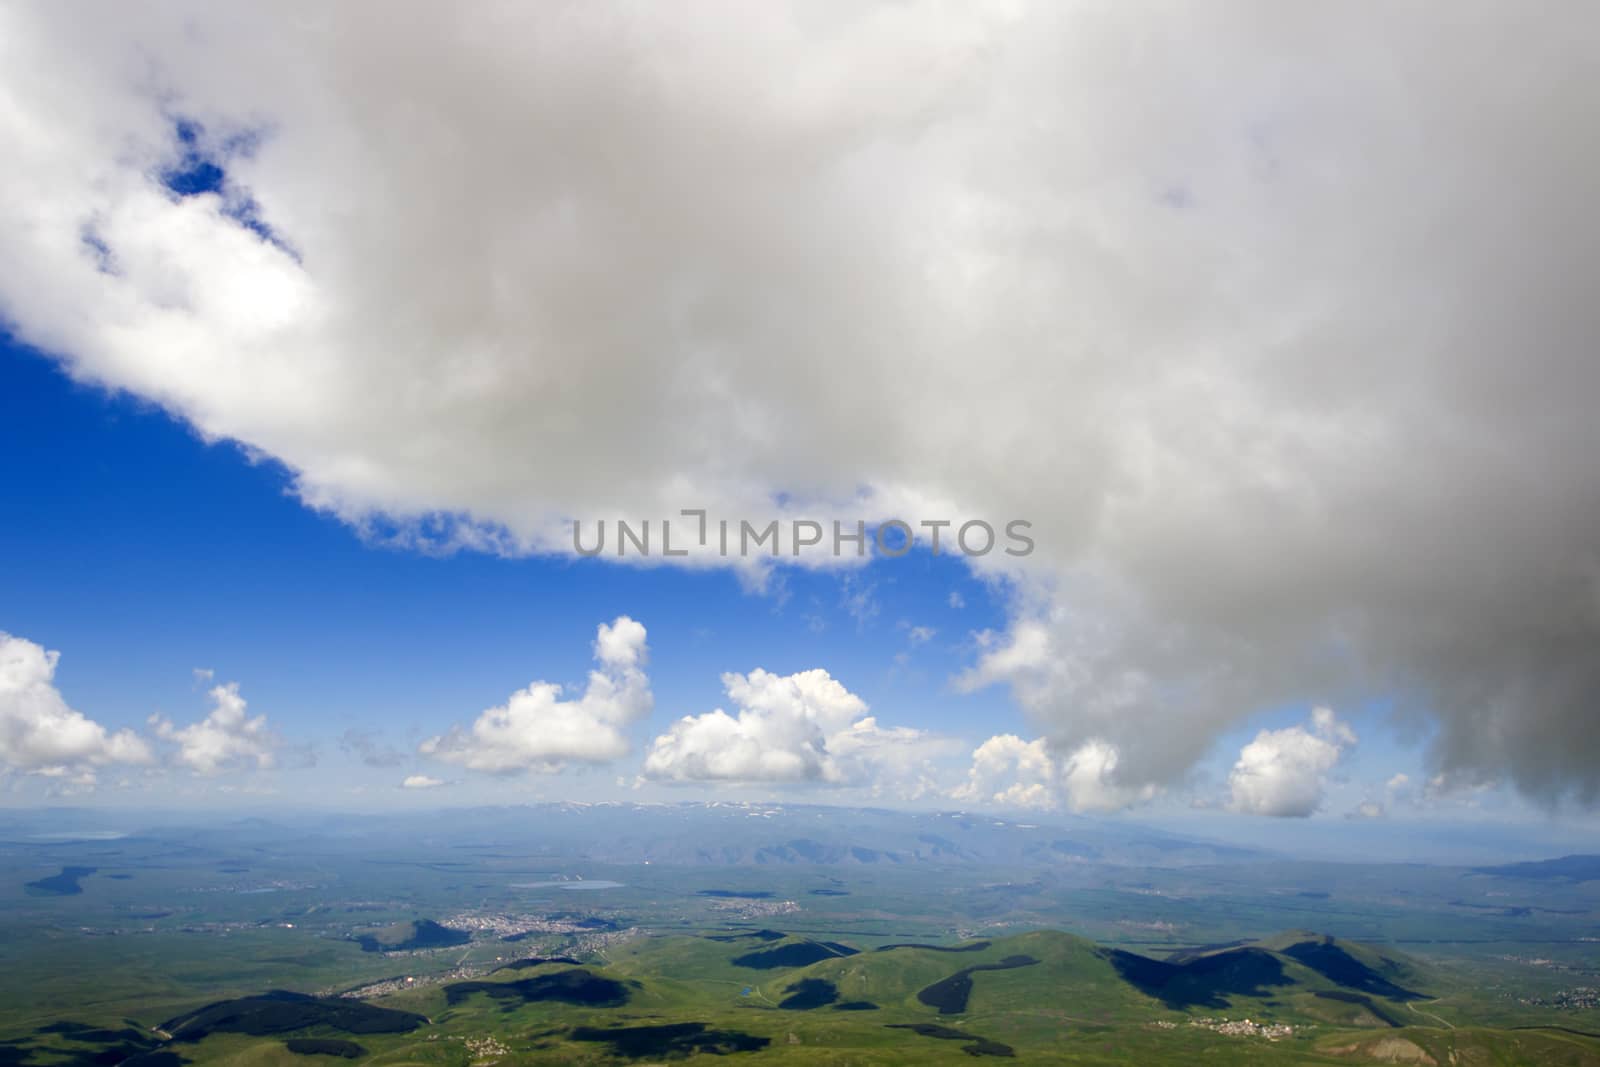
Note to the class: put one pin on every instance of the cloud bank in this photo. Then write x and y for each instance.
(1277, 328)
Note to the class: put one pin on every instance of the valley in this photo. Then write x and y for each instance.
(282, 943)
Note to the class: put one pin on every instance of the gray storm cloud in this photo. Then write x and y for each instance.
(1276, 320)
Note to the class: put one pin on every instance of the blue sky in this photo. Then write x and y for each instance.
(1306, 451)
(143, 553)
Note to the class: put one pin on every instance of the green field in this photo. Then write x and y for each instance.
(1044, 996)
(265, 945)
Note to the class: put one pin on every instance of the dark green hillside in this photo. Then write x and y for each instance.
(951, 979)
(403, 937)
(1293, 973)
(86, 1044)
(1336, 964)
(1353, 965)
(1296, 975)
(1208, 981)
(1363, 1010)
(539, 961)
(796, 953)
(325, 1046)
(572, 986)
(970, 946)
(280, 1011)
(976, 1046)
(809, 993)
(757, 935)
(950, 995)
(675, 1040)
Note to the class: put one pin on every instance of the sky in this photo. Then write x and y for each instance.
(1263, 345)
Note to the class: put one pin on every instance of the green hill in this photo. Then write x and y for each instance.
(920, 978)
(1352, 964)
(283, 1012)
(403, 937)
(1295, 975)
(772, 997)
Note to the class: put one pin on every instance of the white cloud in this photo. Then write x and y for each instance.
(894, 761)
(1009, 772)
(1276, 443)
(920, 635)
(859, 600)
(40, 734)
(1089, 778)
(1396, 793)
(1022, 658)
(1284, 772)
(537, 729)
(1012, 773)
(803, 727)
(422, 781)
(956, 600)
(227, 737)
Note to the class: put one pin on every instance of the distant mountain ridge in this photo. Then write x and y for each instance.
(1576, 868)
(718, 833)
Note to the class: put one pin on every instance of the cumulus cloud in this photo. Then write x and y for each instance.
(1089, 779)
(1012, 773)
(1284, 772)
(537, 729)
(803, 727)
(422, 781)
(1286, 354)
(1009, 772)
(226, 738)
(900, 762)
(39, 733)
